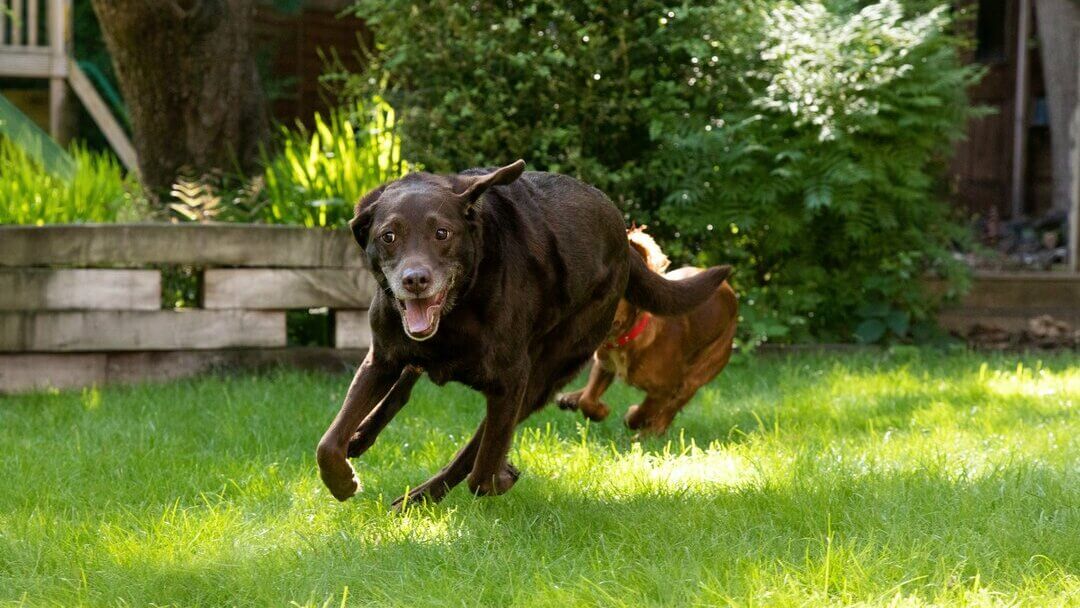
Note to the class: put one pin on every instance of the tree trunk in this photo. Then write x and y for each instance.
(188, 75)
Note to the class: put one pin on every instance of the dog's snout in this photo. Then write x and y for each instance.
(416, 279)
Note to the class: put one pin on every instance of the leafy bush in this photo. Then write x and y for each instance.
(97, 190)
(801, 142)
(316, 177)
(830, 182)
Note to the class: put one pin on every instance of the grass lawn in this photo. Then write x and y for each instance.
(912, 478)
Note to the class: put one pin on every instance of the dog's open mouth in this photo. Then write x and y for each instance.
(420, 316)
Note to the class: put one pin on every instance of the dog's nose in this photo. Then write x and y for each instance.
(416, 280)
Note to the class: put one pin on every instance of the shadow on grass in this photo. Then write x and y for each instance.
(845, 538)
(205, 492)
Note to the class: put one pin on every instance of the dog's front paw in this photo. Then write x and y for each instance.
(494, 485)
(343, 488)
(568, 401)
(338, 475)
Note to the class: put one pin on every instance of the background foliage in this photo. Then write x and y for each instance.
(97, 190)
(802, 142)
(315, 178)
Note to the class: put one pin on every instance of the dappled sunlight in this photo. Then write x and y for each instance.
(1034, 382)
(577, 466)
(926, 483)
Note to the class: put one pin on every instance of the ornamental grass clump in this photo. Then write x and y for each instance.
(317, 175)
(92, 187)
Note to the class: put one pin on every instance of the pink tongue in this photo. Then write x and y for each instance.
(416, 315)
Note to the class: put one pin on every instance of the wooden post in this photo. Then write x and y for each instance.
(1074, 183)
(59, 44)
(1020, 114)
(17, 22)
(31, 22)
(1059, 41)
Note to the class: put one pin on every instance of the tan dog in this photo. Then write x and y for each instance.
(669, 358)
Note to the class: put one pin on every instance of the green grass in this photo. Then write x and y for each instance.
(913, 478)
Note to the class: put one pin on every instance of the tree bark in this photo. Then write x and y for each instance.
(188, 75)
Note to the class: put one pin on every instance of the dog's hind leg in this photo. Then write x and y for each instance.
(654, 415)
(588, 398)
(449, 476)
(376, 421)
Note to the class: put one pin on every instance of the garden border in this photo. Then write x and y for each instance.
(80, 305)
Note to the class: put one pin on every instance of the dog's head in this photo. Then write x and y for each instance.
(421, 235)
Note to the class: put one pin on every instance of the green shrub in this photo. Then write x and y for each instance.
(801, 143)
(96, 191)
(315, 177)
(829, 182)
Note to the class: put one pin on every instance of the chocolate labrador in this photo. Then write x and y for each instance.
(502, 280)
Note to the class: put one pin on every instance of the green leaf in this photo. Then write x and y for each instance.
(898, 321)
(870, 331)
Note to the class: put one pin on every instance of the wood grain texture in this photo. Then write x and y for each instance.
(134, 245)
(35, 372)
(1020, 290)
(133, 331)
(351, 329)
(79, 289)
(275, 289)
(26, 372)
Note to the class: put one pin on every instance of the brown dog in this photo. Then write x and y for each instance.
(504, 280)
(668, 357)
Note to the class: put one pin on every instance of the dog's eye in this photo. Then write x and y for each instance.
(387, 237)
(442, 234)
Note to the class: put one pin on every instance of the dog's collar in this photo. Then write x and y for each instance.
(634, 332)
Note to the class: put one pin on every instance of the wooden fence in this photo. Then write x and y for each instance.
(81, 304)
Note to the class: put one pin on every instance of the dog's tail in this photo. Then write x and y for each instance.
(661, 296)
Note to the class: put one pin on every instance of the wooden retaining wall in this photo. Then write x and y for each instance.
(1010, 299)
(80, 305)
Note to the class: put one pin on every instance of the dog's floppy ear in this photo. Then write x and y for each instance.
(360, 224)
(478, 184)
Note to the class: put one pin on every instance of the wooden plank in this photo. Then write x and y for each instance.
(961, 320)
(79, 289)
(1019, 291)
(17, 22)
(275, 289)
(27, 372)
(31, 22)
(36, 372)
(25, 62)
(351, 329)
(132, 331)
(134, 245)
(1020, 111)
(125, 368)
(103, 116)
(1023, 293)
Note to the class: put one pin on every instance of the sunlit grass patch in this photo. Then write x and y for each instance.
(883, 480)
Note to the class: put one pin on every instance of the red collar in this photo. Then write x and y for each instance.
(634, 332)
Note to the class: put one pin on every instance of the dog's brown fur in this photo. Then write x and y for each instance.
(504, 280)
(670, 359)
